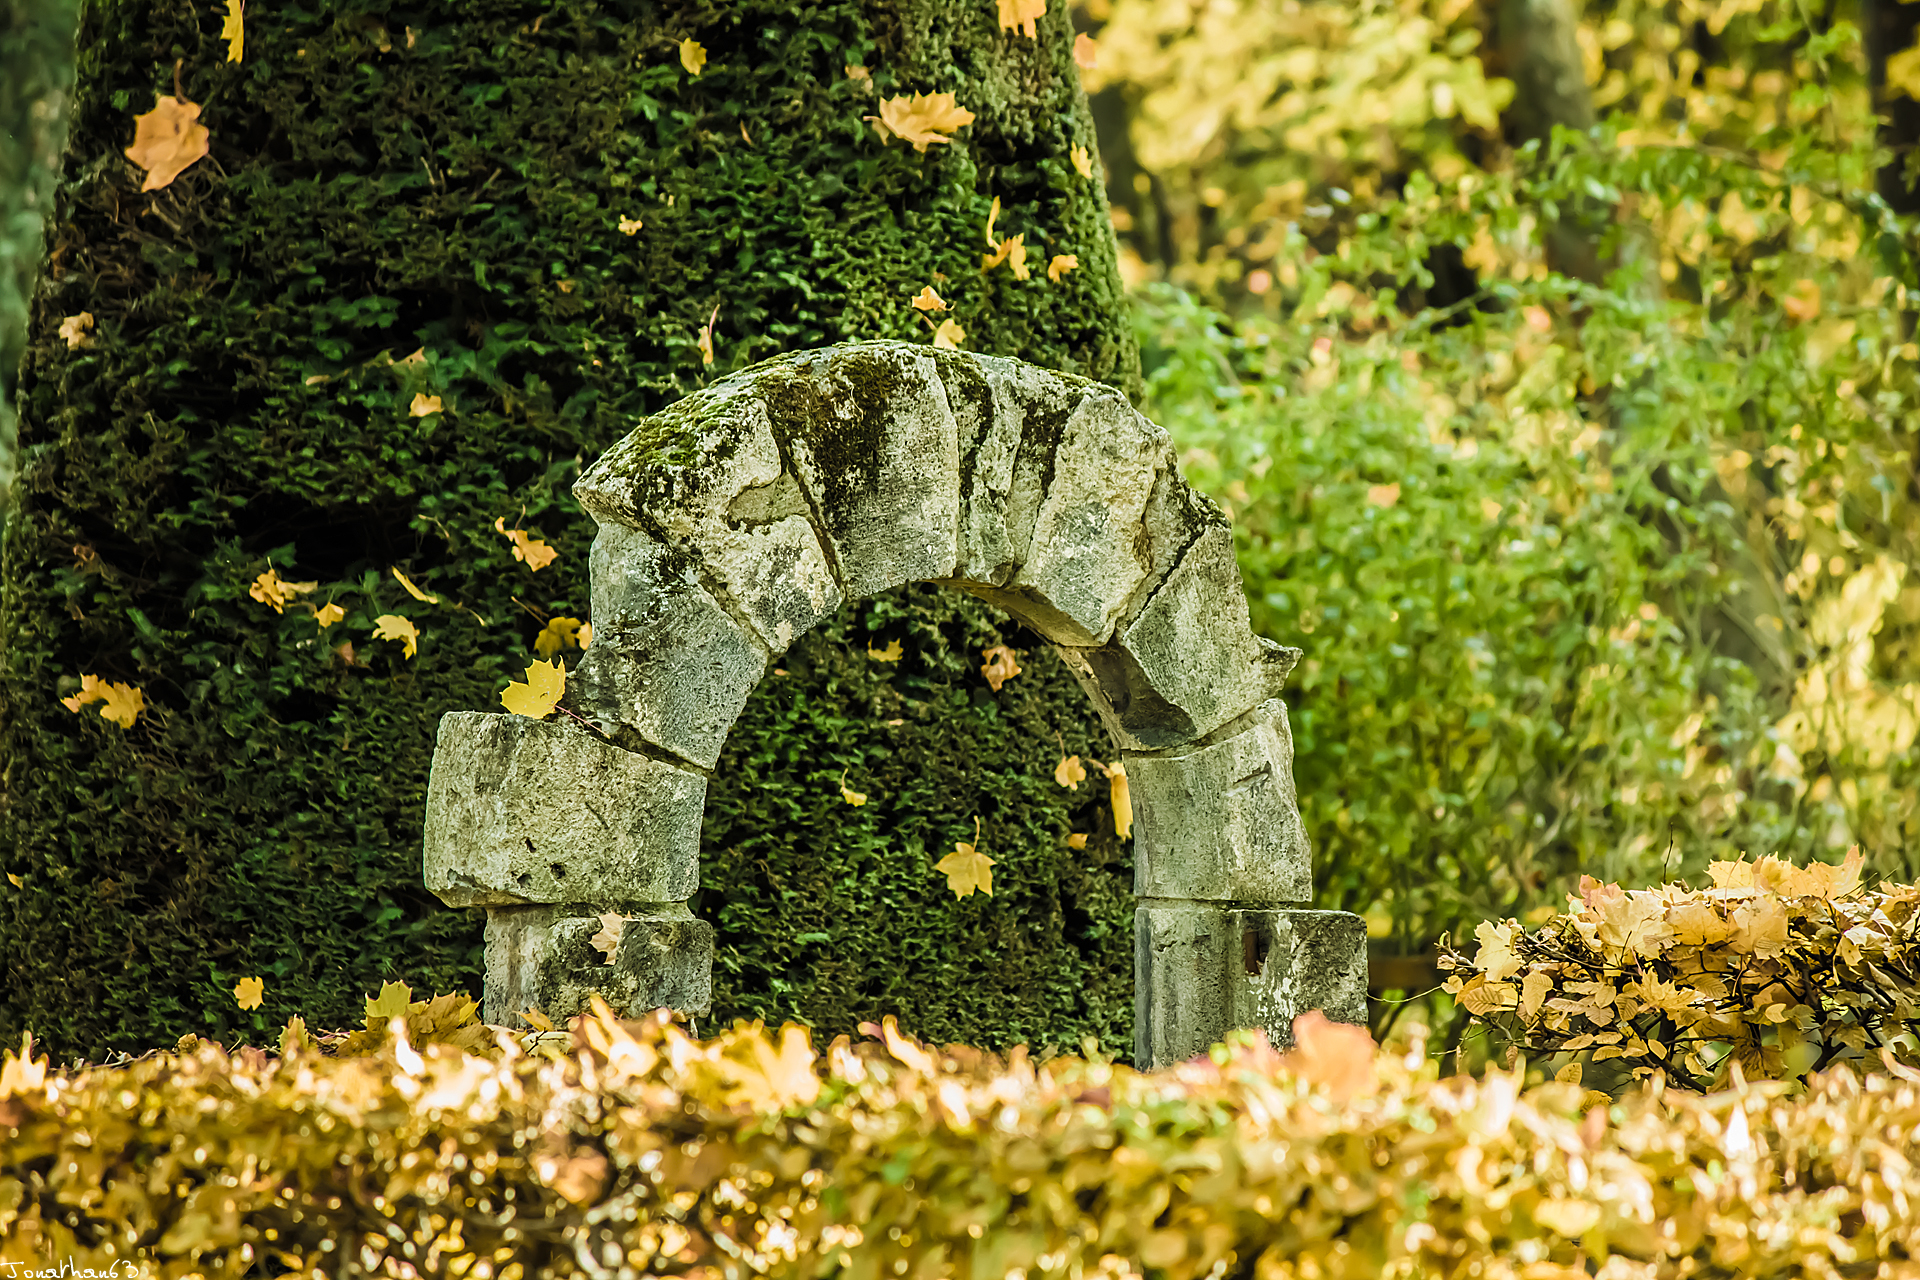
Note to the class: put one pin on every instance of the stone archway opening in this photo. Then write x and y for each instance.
(741, 516)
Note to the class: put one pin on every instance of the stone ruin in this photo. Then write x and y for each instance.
(750, 511)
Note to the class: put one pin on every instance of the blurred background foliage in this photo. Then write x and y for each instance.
(1557, 366)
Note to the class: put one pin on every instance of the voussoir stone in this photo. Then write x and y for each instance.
(873, 441)
(531, 811)
(667, 661)
(544, 957)
(1222, 823)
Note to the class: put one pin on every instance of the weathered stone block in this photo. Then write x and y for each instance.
(734, 505)
(544, 957)
(1222, 823)
(874, 444)
(522, 810)
(1201, 970)
(667, 660)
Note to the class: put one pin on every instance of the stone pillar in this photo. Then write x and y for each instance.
(1218, 846)
(550, 827)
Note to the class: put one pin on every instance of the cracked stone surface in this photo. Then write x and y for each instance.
(544, 957)
(523, 811)
(1222, 823)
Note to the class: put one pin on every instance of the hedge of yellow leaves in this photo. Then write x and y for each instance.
(1774, 968)
(635, 1150)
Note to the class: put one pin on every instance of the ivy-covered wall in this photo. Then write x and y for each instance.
(402, 299)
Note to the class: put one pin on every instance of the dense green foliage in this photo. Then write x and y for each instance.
(455, 182)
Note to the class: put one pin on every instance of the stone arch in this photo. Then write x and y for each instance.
(741, 516)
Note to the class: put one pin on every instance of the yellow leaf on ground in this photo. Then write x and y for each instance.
(328, 614)
(966, 868)
(852, 797)
(392, 1001)
(1082, 161)
(1013, 252)
(1022, 14)
(1085, 53)
(74, 330)
(546, 682)
(233, 30)
(558, 634)
(949, 335)
(537, 554)
(391, 626)
(1069, 773)
(607, 941)
(269, 590)
(1061, 264)
(928, 300)
(890, 653)
(248, 993)
(167, 139)
(1000, 666)
(412, 590)
(922, 119)
(423, 405)
(693, 55)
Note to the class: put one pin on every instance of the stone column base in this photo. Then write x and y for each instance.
(1201, 969)
(543, 956)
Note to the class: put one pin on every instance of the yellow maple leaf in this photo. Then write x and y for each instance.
(328, 614)
(1082, 161)
(780, 1078)
(1022, 14)
(74, 330)
(693, 55)
(1697, 924)
(537, 554)
(852, 797)
(1122, 800)
(92, 689)
(1496, 957)
(1061, 264)
(120, 703)
(1636, 923)
(271, 591)
(928, 300)
(167, 139)
(607, 941)
(412, 590)
(423, 405)
(1085, 53)
(1077, 840)
(705, 340)
(891, 653)
(558, 634)
(248, 993)
(391, 626)
(1760, 927)
(546, 682)
(966, 868)
(233, 30)
(922, 119)
(1000, 666)
(392, 1001)
(1013, 252)
(630, 225)
(949, 336)
(1069, 773)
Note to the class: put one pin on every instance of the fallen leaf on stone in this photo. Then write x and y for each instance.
(423, 405)
(949, 336)
(233, 30)
(891, 653)
(922, 119)
(1000, 665)
(328, 614)
(1070, 773)
(928, 300)
(391, 626)
(269, 589)
(546, 682)
(412, 590)
(607, 941)
(249, 992)
(537, 1020)
(705, 340)
(74, 330)
(693, 55)
(966, 868)
(120, 703)
(1061, 264)
(852, 797)
(167, 139)
(630, 225)
(1085, 52)
(537, 554)
(1082, 161)
(558, 634)
(1022, 14)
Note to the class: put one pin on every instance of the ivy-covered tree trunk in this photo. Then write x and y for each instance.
(434, 261)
